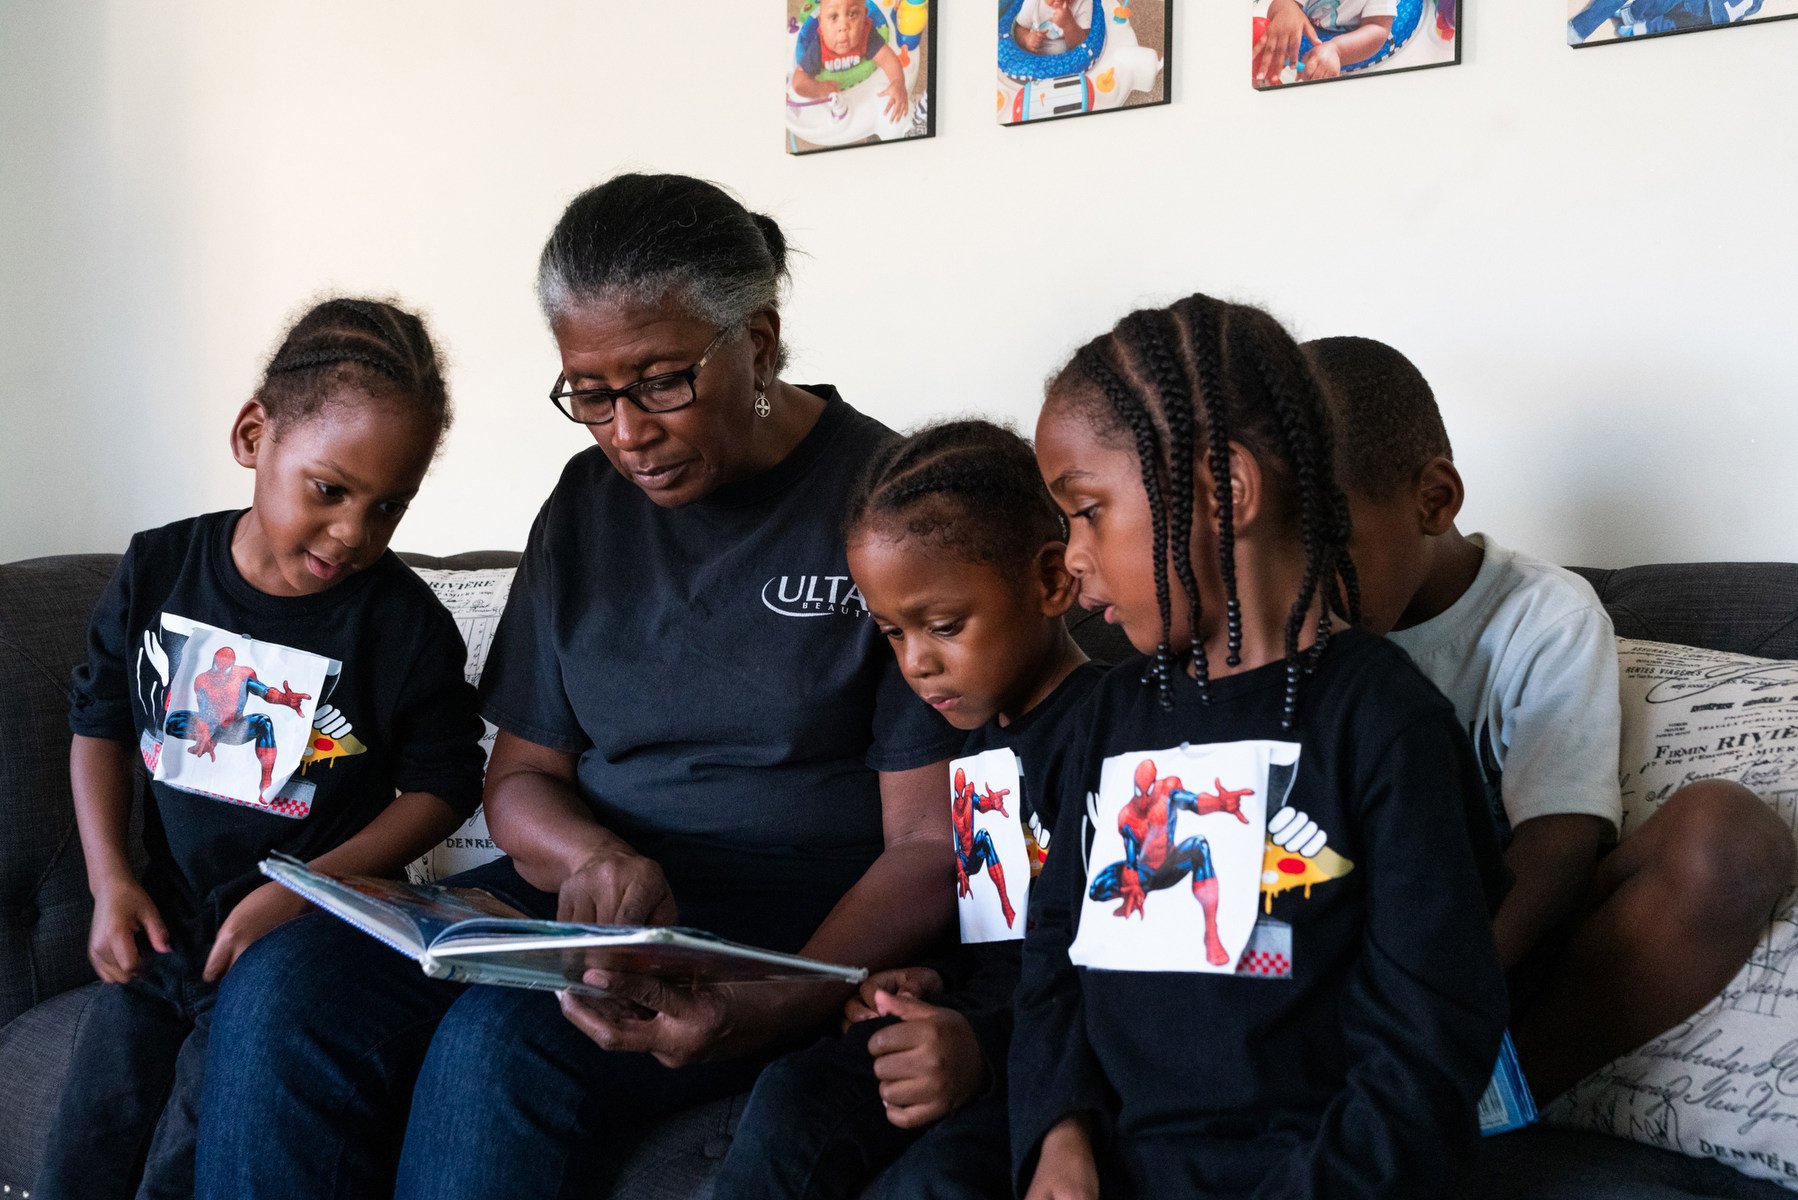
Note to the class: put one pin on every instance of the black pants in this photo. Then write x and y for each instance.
(815, 1129)
(131, 1100)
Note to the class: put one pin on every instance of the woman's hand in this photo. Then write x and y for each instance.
(919, 983)
(121, 908)
(678, 1025)
(1065, 1169)
(256, 914)
(617, 887)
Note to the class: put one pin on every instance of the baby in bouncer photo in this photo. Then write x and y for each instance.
(846, 39)
(1308, 41)
(1052, 26)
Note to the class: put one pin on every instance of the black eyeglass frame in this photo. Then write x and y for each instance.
(688, 375)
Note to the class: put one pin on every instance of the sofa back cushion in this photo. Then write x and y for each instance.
(44, 905)
(45, 603)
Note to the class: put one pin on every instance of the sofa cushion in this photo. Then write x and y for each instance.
(1745, 608)
(476, 598)
(44, 905)
(1719, 1084)
(34, 1058)
(1556, 1164)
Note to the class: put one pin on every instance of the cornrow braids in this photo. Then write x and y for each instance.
(347, 348)
(1210, 373)
(969, 487)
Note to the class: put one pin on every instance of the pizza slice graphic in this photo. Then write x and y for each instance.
(332, 739)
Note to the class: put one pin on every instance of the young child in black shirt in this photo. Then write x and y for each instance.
(281, 676)
(1259, 959)
(958, 551)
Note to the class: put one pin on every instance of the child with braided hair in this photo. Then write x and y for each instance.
(1319, 1017)
(957, 550)
(365, 755)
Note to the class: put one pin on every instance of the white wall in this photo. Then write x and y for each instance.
(1592, 254)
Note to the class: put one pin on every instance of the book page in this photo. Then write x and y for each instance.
(406, 916)
(557, 955)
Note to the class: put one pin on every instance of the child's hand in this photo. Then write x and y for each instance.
(920, 983)
(1062, 13)
(1065, 1168)
(898, 99)
(929, 1064)
(1030, 39)
(121, 908)
(255, 915)
(1287, 27)
(1324, 62)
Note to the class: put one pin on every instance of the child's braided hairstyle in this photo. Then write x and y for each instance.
(1188, 380)
(969, 487)
(346, 345)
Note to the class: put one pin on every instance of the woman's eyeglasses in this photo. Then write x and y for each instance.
(656, 394)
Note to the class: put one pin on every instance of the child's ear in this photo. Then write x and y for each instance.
(1248, 492)
(248, 433)
(1060, 589)
(1440, 494)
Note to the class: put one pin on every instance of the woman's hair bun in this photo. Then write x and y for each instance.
(777, 241)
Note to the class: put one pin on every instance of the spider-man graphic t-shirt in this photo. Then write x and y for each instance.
(1260, 960)
(268, 722)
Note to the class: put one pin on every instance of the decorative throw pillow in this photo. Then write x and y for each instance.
(1722, 1084)
(475, 599)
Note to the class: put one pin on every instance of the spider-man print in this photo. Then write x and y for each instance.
(221, 695)
(1153, 860)
(974, 847)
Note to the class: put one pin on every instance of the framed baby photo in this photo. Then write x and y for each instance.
(859, 72)
(1295, 42)
(1595, 22)
(1069, 58)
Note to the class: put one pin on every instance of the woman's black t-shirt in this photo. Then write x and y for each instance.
(715, 671)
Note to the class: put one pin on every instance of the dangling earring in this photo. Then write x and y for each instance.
(762, 407)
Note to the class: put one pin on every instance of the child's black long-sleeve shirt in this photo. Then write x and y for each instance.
(189, 663)
(1345, 1055)
(980, 978)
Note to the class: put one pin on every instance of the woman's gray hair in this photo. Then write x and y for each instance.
(648, 238)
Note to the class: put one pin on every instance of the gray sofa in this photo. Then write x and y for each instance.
(45, 982)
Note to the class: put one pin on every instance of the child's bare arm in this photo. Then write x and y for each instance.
(1029, 39)
(405, 829)
(1552, 859)
(100, 779)
(1327, 59)
(811, 89)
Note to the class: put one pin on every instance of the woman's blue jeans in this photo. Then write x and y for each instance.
(338, 1069)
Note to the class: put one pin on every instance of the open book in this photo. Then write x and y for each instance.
(468, 936)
